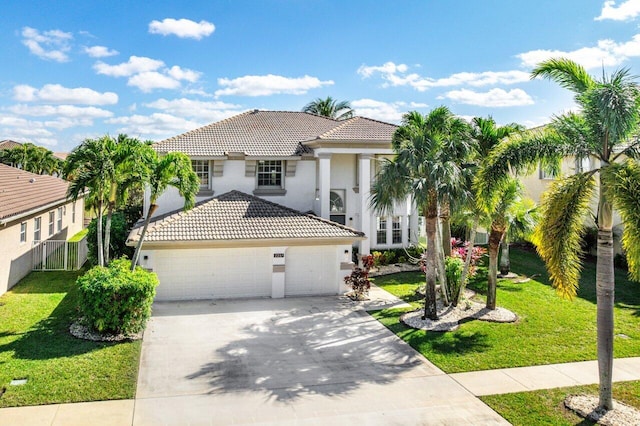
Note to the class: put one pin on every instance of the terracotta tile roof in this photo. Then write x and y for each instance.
(361, 128)
(9, 144)
(22, 191)
(272, 133)
(61, 155)
(239, 216)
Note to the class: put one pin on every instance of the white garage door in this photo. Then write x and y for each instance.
(311, 270)
(212, 273)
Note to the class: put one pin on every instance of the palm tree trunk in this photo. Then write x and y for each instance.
(605, 289)
(442, 274)
(445, 217)
(107, 236)
(494, 246)
(100, 240)
(467, 262)
(147, 219)
(431, 222)
(505, 263)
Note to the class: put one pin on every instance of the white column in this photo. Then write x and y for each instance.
(278, 275)
(364, 180)
(324, 184)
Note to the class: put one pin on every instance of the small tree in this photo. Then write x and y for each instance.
(359, 278)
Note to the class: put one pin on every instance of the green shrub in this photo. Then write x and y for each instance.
(378, 258)
(389, 256)
(453, 267)
(117, 243)
(115, 300)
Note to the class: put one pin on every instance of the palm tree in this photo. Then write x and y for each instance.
(522, 219)
(487, 135)
(606, 128)
(89, 167)
(424, 169)
(329, 107)
(173, 169)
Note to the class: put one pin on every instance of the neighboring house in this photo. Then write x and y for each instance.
(300, 161)
(9, 144)
(32, 208)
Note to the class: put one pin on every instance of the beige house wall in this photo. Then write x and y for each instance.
(15, 256)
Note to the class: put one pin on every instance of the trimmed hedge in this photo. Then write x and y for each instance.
(116, 300)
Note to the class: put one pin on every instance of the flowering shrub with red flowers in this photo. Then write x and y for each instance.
(459, 249)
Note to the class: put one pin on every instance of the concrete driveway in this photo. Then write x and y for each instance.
(308, 360)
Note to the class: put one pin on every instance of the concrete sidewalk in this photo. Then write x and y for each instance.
(522, 379)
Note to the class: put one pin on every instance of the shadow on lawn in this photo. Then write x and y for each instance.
(49, 338)
(308, 351)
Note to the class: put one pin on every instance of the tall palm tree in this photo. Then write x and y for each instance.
(606, 127)
(329, 107)
(424, 169)
(173, 169)
(90, 167)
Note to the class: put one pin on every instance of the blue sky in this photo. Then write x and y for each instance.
(78, 69)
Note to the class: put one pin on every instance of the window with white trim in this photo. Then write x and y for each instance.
(269, 174)
(201, 169)
(545, 174)
(583, 164)
(36, 229)
(381, 230)
(23, 232)
(59, 219)
(73, 213)
(336, 206)
(396, 230)
(52, 219)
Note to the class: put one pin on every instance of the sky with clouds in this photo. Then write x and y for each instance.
(154, 69)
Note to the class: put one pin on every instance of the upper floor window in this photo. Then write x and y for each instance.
(201, 168)
(381, 234)
(269, 174)
(59, 219)
(546, 174)
(396, 230)
(336, 206)
(23, 232)
(52, 218)
(583, 164)
(36, 229)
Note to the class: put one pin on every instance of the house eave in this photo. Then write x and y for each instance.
(236, 243)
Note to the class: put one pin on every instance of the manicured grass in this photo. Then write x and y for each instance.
(79, 236)
(546, 407)
(550, 329)
(35, 344)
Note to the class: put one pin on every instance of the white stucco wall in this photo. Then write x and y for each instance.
(15, 256)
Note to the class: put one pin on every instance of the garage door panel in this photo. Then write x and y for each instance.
(311, 271)
(213, 273)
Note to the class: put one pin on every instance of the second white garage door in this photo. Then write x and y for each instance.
(213, 273)
(311, 270)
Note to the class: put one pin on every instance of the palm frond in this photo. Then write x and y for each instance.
(622, 185)
(558, 234)
(566, 73)
(391, 185)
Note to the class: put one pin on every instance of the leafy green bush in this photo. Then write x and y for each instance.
(453, 267)
(116, 300)
(117, 243)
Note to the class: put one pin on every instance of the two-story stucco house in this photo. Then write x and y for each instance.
(32, 208)
(304, 167)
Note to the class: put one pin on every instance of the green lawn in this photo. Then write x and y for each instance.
(546, 407)
(35, 344)
(550, 329)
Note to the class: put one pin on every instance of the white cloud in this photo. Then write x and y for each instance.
(265, 85)
(158, 125)
(59, 94)
(183, 28)
(625, 11)
(384, 111)
(183, 74)
(492, 98)
(148, 74)
(396, 75)
(606, 53)
(189, 108)
(69, 111)
(135, 65)
(100, 51)
(53, 44)
(150, 80)
(21, 129)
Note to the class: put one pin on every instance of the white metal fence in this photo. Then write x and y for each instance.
(56, 255)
